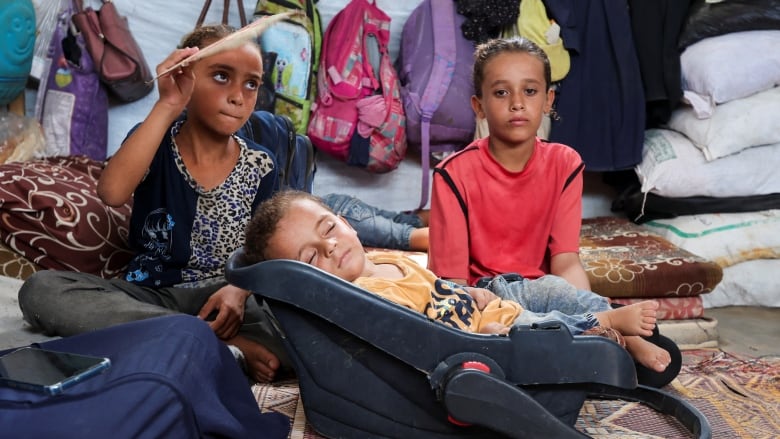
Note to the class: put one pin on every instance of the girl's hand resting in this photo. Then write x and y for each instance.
(229, 303)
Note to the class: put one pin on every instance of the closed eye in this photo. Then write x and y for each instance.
(326, 227)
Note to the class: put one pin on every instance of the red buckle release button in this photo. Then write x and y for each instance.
(476, 365)
(456, 422)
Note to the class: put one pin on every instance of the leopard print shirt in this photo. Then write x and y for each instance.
(222, 214)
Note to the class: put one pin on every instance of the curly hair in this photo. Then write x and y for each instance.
(265, 220)
(202, 36)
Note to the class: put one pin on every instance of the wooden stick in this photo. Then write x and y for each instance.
(241, 36)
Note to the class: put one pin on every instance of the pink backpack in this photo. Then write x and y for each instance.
(358, 116)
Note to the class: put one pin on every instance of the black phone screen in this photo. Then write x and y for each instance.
(47, 370)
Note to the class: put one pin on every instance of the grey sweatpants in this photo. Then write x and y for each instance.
(66, 303)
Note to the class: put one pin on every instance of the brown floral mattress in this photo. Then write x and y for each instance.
(52, 218)
(623, 259)
(671, 308)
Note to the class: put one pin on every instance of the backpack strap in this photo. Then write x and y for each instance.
(311, 166)
(225, 10)
(291, 142)
(443, 13)
(293, 160)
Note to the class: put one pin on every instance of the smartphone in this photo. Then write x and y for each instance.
(46, 371)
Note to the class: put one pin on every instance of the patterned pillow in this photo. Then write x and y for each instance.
(51, 215)
(623, 259)
(671, 308)
(14, 265)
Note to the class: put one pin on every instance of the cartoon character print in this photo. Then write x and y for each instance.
(283, 70)
(63, 77)
(451, 305)
(157, 235)
(280, 65)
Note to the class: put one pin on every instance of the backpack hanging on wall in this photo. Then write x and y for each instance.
(434, 66)
(534, 24)
(117, 56)
(291, 56)
(72, 103)
(358, 116)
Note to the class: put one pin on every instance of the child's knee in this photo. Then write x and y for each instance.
(555, 284)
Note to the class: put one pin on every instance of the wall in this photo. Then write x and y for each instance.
(158, 25)
(333, 176)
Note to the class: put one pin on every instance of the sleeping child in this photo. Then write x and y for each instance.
(299, 226)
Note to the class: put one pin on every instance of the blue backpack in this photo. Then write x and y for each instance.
(434, 67)
(294, 152)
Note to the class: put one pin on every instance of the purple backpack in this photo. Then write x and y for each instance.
(72, 103)
(434, 66)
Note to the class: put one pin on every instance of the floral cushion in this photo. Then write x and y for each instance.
(14, 265)
(671, 308)
(50, 214)
(623, 259)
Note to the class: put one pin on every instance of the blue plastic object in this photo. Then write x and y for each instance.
(17, 41)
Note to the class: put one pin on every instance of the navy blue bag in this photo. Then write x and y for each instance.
(294, 152)
(170, 377)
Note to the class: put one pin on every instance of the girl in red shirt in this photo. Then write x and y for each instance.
(511, 202)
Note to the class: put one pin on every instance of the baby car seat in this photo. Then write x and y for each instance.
(368, 367)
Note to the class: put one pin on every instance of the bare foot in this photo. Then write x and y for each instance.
(494, 328)
(635, 319)
(648, 354)
(261, 364)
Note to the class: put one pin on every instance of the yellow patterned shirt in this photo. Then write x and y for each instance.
(440, 300)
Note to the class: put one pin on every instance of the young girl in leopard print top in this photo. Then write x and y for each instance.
(194, 185)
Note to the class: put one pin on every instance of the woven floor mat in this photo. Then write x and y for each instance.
(740, 397)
